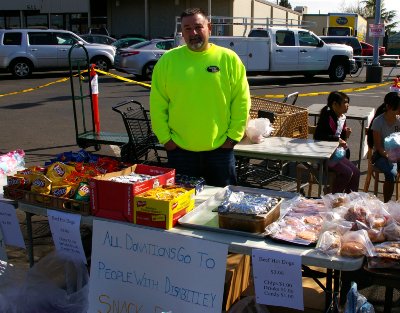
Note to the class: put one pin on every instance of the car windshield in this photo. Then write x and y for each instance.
(141, 44)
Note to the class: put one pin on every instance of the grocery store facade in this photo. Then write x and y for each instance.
(151, 18)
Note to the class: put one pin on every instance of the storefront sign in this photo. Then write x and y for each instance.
(9, 225)
(278, 279)
(137, 269)
(65, 229)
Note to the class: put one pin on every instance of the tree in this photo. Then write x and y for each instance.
(285, 4)
(386, 16)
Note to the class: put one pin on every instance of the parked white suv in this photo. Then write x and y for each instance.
(23, 51)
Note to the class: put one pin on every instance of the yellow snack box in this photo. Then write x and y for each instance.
(163, 206)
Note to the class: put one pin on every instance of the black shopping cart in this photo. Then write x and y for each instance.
(143, 146)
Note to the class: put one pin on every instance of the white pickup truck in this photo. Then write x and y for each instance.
(289, 51)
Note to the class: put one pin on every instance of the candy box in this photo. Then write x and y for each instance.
(114, 200)
(162, 213)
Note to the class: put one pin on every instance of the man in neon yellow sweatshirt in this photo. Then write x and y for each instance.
(199, 104)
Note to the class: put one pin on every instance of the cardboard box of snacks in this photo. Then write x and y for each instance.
(114, 200)
(163, 206)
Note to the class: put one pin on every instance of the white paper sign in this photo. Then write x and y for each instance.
(9, 225)
(376, 30)
(136, 269)
(278, 279)
(65, 229)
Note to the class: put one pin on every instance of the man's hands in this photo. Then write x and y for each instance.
(170, 145)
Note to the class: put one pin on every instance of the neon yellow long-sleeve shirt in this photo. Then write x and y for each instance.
(198, 99)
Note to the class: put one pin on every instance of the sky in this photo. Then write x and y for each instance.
(334, 6)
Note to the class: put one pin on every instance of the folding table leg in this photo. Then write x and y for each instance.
(28, 219)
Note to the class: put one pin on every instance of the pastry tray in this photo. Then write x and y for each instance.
(205, 215)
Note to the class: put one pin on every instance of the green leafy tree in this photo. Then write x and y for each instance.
(386, 16)
(285, 3)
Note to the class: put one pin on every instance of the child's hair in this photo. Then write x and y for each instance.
(335, 96)
(392, 101)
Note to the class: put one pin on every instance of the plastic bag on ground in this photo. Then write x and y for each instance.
(356, 302)
(56, 284)
(12, 278)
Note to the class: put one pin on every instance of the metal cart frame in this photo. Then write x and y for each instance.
(85, 133)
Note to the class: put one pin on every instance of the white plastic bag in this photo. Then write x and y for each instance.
(56, 284)
(258, 128)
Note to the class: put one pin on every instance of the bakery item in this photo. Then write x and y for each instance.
(353, 249)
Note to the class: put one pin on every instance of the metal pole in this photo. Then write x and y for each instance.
(209, 8)
(374, 73)
(376, 39)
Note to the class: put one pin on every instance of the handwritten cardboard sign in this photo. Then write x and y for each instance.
(135, 269)
(9, 225)
(65, 229)
(278, 279)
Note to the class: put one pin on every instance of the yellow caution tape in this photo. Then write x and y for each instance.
(321, 93)
(148, 86)
(124, 79)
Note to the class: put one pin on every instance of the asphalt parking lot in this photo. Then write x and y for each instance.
(36, 116)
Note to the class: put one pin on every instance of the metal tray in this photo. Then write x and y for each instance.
(204, 216)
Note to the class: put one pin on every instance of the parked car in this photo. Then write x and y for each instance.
(23, 51)
(140, 59)
(95, 38)
(126, 42)
(346, 40)
(368, 49)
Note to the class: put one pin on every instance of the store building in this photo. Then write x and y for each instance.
(75, 15)
(149, 18)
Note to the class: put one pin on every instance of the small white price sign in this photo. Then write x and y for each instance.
(278, 279)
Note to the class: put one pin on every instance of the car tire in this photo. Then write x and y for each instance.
(147, 71)
(21, 68)
(102, 63)
(337, 72)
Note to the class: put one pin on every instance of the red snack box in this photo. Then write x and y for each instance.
(114, 200)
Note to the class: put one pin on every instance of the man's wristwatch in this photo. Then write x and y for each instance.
(231, 141)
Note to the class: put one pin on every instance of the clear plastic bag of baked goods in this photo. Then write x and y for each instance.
(386, 255)
(257, 129)
(392, 230)
(393, 208)
(336, 200)
(376, 235)
(293, 229)
(329, 241)
(303, 205)
(356, 244)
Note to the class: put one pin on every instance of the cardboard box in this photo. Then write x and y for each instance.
(162, 213)
(253, 223)
(114, 200)
(237, 278)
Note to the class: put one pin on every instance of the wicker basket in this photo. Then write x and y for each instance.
(47, 201)
(289, 120)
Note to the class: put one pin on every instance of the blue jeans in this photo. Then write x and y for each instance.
(217, 166)
(389, 169)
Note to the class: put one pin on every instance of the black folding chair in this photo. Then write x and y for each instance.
(143, 146)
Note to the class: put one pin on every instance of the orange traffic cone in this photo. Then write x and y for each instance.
(94, 84)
